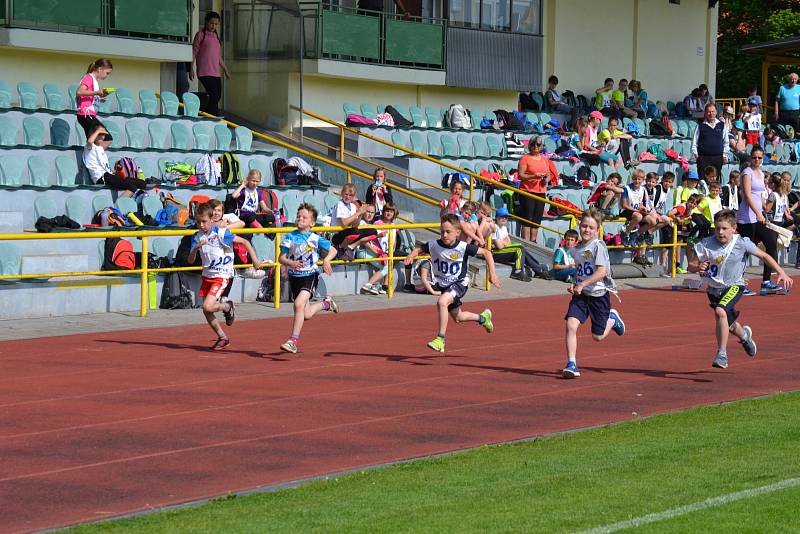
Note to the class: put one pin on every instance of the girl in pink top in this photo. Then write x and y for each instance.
(207, 54)
(88, 95)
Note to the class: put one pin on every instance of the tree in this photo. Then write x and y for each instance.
(744, 22)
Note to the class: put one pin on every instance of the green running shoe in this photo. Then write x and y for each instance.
(487, 320)
(437, 344)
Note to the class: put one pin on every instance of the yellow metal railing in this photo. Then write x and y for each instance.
(145, 272)
(737, 103)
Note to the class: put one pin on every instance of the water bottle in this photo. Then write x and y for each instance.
(139, 173)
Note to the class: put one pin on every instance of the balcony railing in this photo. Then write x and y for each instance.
(161, 20)
(351, 34)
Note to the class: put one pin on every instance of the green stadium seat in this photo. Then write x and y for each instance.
(532, 117)
(495, 145)
(403, 110)
(180, 136)
(479, 146)
(54, 99)
(419, 143)
(125, 103)
(480, 166)
(191, 105)
(151, 205)
(162, 164)
(329, 201)
(66, 171)
(39, 171)
(28, 95)
(431, 118)
(101, 201)
(44, 207)
(10, 260)
(368, 111)
(5, 95)
(79, 133)
(314, 200)
(8, 131)
(34, 131)
(476, 117)
(116, 133)
(464, 145)
(60, 132)
(399, 138)
(202, 136)
(434, 144)
(148, 165)
(244, 138)
(169, 103)
(263, 247)
(289, 205)
(105, 105)
(77, 209)
(380, 108)
(223, 136)
(261, 166)
(148, 102)
(350, 109)
(11, 169)
(417, 115)
(496, 201)
(126, 205)
(509, 167)
(158, 134)
(136, 131)
(449, 146)
(73, 99)
(544, 118)
(162, 248)
(550, 145)
(642, 126)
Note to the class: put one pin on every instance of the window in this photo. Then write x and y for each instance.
(465, 13)
(525, 16)
(522, 16)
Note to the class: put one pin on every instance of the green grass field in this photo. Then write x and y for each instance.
(564, 483)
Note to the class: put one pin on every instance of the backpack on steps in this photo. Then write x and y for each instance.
(229, 174)
(176, 295)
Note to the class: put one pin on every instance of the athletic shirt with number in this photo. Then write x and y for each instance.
(724, 271)
(588, 257)
(779, 206)
(304, 247)
(450, 264)
(659, 199)
(250, 200)
(754, 122)
(636, 198)
(217, 253)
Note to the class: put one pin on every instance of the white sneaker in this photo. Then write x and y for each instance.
(251, 272)
(369, 289)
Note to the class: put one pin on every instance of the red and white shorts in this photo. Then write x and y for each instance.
(214, 287)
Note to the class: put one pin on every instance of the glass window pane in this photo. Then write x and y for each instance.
(494, 15)
(525, 16)
(465, 13)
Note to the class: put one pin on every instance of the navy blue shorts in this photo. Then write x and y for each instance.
(583, 306)
(726, 299)
(303, 283)
(458, 290)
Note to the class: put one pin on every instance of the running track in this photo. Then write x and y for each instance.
(100, 425)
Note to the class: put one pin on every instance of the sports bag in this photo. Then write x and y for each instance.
(176, 295)
(182, 254)
(195, 202)
(229, 175)
(111, 216)
(568, 208)
(406, 242)
(457, 117)
(207, 170)
(359, 120)
(126, 168)
(398, 118)
(118, 255)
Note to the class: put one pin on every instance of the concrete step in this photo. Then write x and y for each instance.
(54, 263)
(11, 222)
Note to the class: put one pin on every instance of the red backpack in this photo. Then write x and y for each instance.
(558, 210)
(118, 255)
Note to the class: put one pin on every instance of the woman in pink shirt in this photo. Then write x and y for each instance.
(207, 55)
(88, 95)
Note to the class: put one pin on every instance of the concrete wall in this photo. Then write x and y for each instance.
(671, 48)
(40, 67)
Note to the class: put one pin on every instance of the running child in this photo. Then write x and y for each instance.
(590, 291)
(300, 252)
(721, 260)
(450, 262)
(215, 246)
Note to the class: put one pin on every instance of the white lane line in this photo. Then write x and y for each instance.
(689, 508)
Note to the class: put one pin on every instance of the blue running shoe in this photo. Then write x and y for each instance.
(571, 371)
(619, 325)
(769, 285)
(626, 238)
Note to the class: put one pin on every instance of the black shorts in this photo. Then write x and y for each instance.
(726, 298)
(665, 235)
(626, 214)
(303, 283)
(531, 209)
(581, 307)
(457, 289)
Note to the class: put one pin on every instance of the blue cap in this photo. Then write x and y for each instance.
(739, 125)
(502, 212)
(753, 102)
(692, 175)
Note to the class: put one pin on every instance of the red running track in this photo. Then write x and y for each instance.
(105, 424)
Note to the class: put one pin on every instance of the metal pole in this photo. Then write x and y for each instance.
(143, 280)
(390, 274)
(276, 290)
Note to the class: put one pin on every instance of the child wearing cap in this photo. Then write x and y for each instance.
(687, 188)
(721, 260)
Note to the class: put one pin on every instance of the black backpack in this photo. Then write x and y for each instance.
(229, 174)
(397, 117)
(182, 254)
(176, 294)
(527, 102)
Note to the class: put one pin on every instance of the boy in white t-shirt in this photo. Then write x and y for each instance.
(95, 160)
